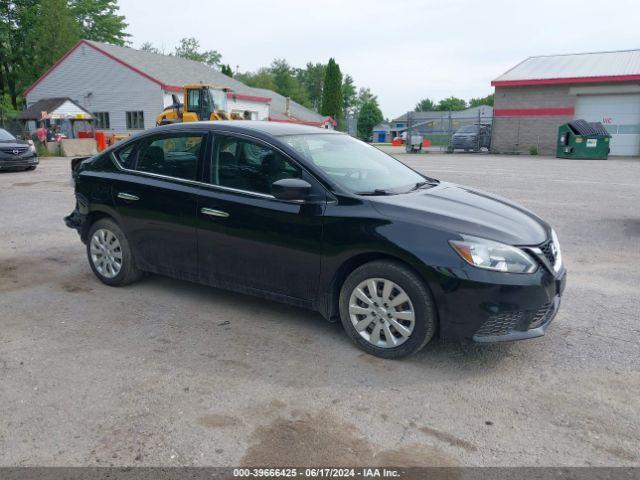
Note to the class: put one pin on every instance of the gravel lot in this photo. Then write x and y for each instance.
(166, 372)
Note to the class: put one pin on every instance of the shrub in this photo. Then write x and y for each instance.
(533, 150)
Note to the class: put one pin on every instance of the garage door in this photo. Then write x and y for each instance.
(620, 114)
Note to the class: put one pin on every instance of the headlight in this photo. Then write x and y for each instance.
(557, 253)
(32, 147)
(491, 255)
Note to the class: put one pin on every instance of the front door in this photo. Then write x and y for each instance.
(246, 238)
(155, 195)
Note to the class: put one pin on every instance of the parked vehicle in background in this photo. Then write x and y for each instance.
(16, 154)
(471, 138)
(318, 219)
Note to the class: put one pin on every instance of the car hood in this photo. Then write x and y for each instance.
(462, 210)
(12, 143)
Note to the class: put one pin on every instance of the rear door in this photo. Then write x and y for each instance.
(156, 197)
(247, 238)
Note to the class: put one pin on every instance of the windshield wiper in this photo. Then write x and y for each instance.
(377, 191)
(431, 181)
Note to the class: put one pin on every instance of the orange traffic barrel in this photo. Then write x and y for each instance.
(101, 141)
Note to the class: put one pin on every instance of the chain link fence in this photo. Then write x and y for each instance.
(448, 132)
(482, 133)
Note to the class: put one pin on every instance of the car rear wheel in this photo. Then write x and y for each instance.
(110, 255)
(387, 310)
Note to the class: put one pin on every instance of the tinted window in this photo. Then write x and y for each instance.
(250, 166)
(171, 155)
(124, 157)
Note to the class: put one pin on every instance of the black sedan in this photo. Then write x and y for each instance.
(317, 219)
(16, 154)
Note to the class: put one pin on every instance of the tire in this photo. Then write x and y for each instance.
(112, 271)
(32, 167)
(354, 311)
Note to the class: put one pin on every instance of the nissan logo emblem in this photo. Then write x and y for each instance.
(16, 151)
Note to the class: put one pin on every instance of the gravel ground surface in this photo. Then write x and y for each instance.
(166, 372)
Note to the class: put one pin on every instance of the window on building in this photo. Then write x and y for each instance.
(249, 166)
(135, 120)
(246, 114)
(102, 120)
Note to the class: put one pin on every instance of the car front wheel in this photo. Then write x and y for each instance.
(387, 310)
(110, 255)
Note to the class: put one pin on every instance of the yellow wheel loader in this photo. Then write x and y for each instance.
(200, 102)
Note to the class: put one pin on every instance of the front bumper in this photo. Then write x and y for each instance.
(486, 307)
(18, 161)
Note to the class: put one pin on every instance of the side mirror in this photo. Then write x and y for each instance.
(291, 189)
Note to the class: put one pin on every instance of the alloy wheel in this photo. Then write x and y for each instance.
(381, 312)
(106, 253)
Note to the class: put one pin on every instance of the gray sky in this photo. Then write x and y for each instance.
(403, 50)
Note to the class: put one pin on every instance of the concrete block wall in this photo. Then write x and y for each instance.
(520, 133)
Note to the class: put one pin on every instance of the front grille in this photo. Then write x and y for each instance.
(519, 320)
(14, 150)
(548, 253)
(501, 323)
(540, 316)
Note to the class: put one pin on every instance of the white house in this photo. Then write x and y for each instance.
(126, 88)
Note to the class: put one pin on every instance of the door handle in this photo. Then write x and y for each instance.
(128, 196)
(214, 213)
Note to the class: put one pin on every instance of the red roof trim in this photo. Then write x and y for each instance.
(559, 81)
(534, 112)
(239, 96)
(304, 122)
(251, 98)
(84, 42)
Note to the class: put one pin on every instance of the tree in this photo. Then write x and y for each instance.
(99, 20)
(148, 47)
(349, 95)
(451, 104)
(312, 79)
(476, 102)
(260, 79)
(425, 105)
(286, 82)
(332, 101)
(16, 55)
(368, 117)
(190, 48)
(54, 32)
(226, 69)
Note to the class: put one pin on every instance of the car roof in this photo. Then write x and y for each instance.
(250, 126)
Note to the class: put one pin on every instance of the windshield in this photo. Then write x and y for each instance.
(356, 166)
(469, 129)
(4, 135)
(219, 98)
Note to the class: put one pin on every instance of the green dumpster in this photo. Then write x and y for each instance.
(583, 140)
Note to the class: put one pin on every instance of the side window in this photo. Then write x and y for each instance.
(250, 166)
(124, 156)
(171, 155)
(193, 100)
